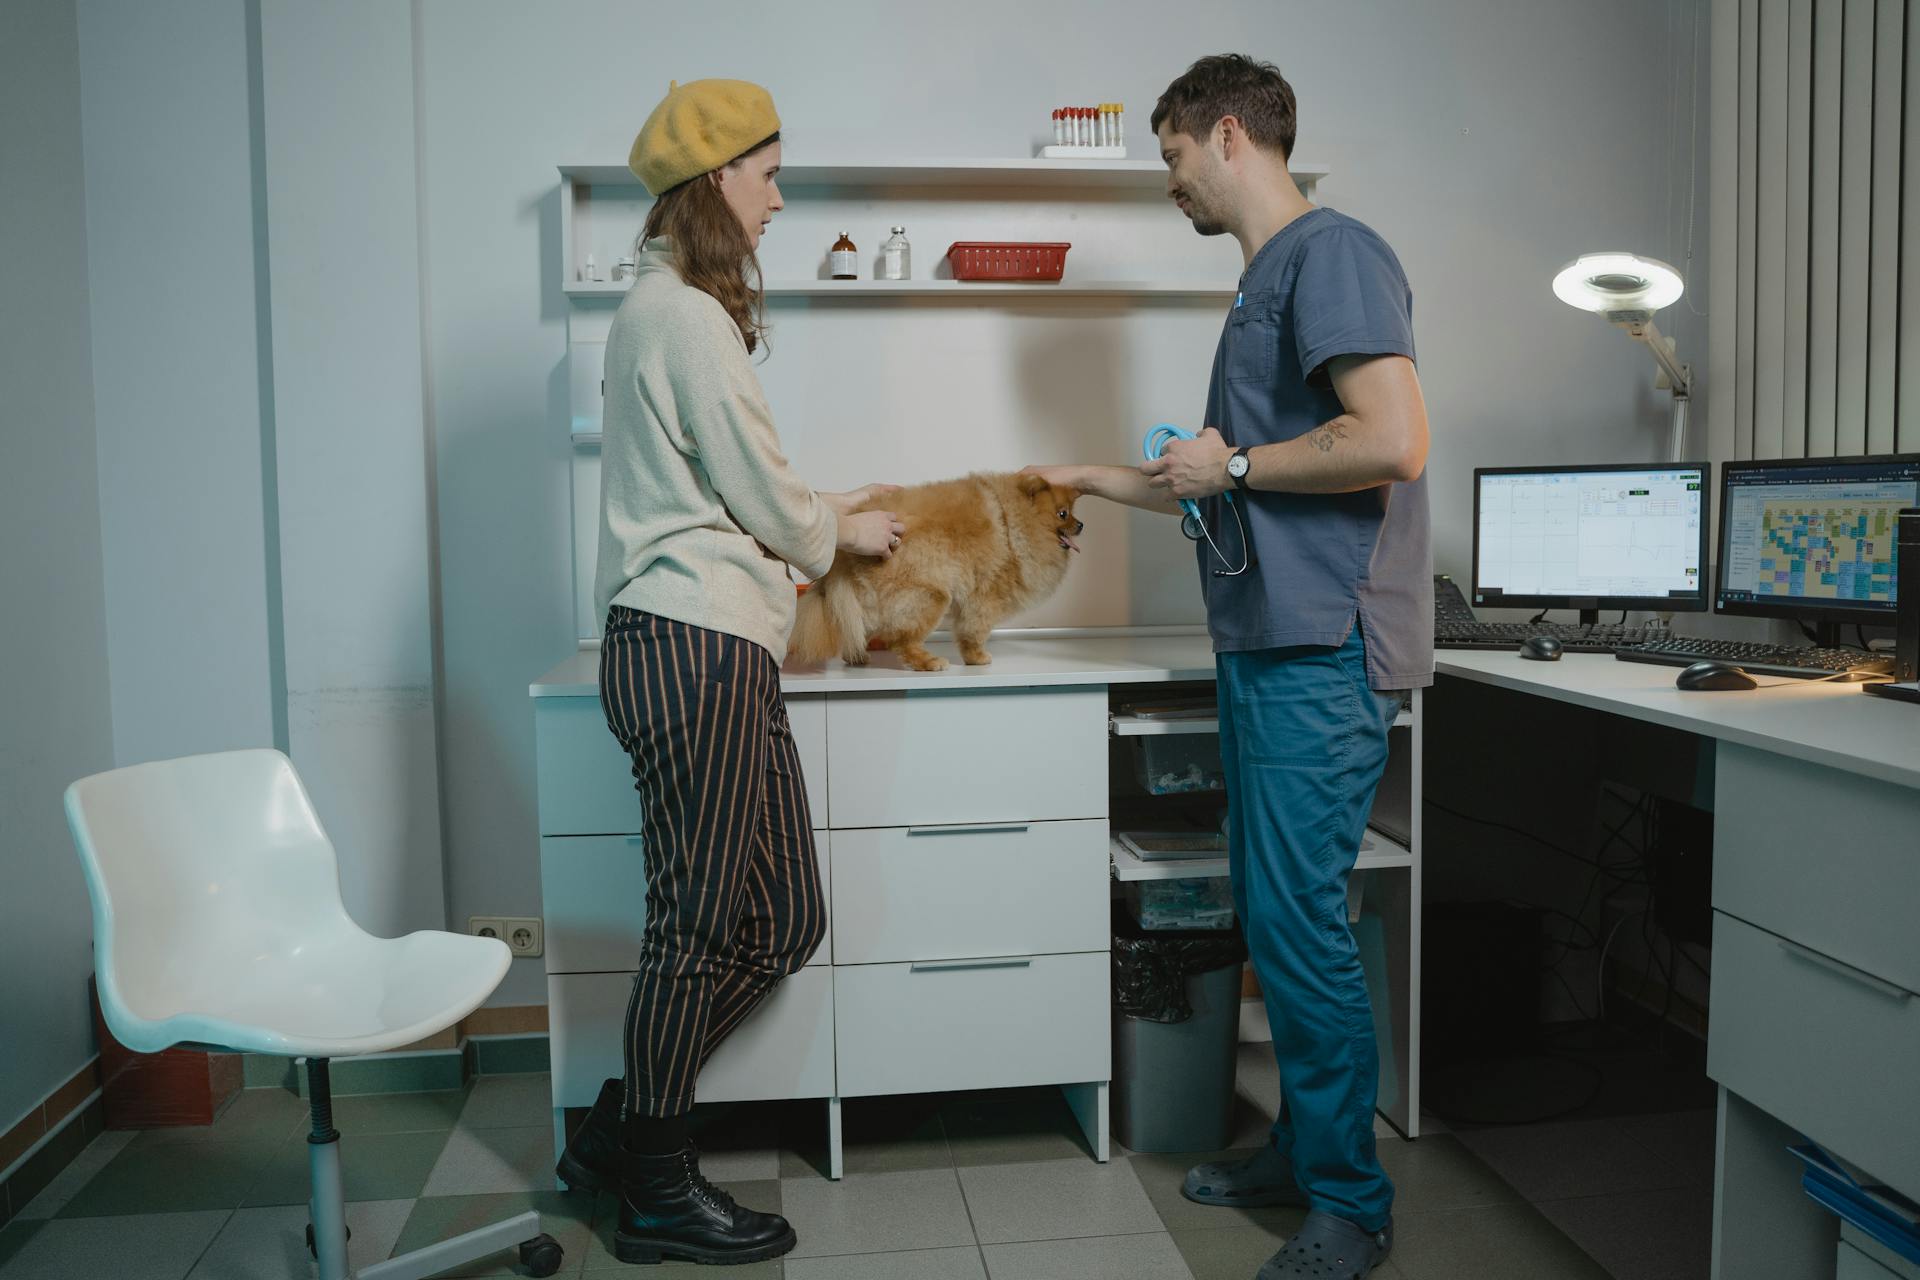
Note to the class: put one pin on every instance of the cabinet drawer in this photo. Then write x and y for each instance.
(585, 780)
(947, 756)
(1839, 875)
(930, 893)
(1829, 1050)
(784, 1049)
(593, 891)
(927, 1028)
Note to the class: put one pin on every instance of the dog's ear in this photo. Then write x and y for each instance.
(1032, 484)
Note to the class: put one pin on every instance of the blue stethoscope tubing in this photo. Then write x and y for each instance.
(1192, 523)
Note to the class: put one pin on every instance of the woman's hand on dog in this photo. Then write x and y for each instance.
(1195, 468)
(870, 533)
(854, 499)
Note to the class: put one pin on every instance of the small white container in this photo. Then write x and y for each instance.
(896, 261)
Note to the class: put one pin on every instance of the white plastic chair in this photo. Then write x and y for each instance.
(217, 922)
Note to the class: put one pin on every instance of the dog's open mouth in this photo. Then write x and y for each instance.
(1068, 543)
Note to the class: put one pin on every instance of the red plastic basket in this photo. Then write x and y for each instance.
(1015, 260)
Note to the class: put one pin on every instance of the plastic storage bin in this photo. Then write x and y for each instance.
(1192, 903)
(1172, 763)
(993, 260)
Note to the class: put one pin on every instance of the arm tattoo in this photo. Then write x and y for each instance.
(1323, 436)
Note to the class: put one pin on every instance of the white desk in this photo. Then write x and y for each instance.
(1814, 1021)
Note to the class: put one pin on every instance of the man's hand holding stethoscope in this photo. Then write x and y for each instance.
(1195, 468)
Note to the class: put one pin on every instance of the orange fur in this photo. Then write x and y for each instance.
(980, 548)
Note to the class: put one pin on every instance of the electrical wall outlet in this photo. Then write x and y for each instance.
(523, 934)
(487, 927)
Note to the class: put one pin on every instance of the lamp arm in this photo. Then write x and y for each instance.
(1677, 378)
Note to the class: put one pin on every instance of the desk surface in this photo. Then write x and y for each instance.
(1824, 722)
(1019, 662)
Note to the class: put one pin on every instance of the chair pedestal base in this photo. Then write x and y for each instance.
(328, 1208)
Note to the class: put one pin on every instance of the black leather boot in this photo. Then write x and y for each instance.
(667, 1210)
(591, 1161)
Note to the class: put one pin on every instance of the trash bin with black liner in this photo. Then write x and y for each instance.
(1176, 1027)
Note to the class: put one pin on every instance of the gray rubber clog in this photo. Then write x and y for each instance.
(1329, 1248)
(1262, 1179)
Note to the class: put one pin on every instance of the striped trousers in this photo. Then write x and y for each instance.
(734, 902)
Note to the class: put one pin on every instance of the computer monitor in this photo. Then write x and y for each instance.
(1631, 536)
(1813, 538)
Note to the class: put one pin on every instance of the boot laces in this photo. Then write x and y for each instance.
(713, 1196)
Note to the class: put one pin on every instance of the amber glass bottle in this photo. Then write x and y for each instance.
(844, 260)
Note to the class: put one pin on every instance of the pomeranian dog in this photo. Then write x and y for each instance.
(982, 548)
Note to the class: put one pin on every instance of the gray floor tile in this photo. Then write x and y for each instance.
(598, 1256)
(1133, 1257)
(373, 1166)
(1162, 1175)
(1004, 1126)
(482, 1161)
(1056, 1200)
(1648, 1235)
(878, 1135)
(1683, 1139)
(254, 1115)
(876, 1212)
(370, 1113)
(1578, 1158)
(567, 1218)
(509, 1102)
(68, 1182)
(752, 1165)
(14, 1236)
(1437, 1172)
(921, 1264)
(1229, 1253)
(151, 1246)
(271, 1243)
(1491, 1242)
(177, 1179)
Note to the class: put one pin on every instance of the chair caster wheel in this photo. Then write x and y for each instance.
(313, 1250)
(540, 1255)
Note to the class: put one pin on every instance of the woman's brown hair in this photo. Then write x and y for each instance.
(711, 250)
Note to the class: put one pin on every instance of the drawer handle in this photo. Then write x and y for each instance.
(636, 839)
(972, 829)
(943, 966)
(1867, 980)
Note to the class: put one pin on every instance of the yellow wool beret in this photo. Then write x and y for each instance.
(698, 127)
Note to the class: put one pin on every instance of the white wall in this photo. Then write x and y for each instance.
(185, 515)
(1490, 141)
(55, 724)
(342, 243)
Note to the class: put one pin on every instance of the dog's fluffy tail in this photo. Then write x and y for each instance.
(828, 622)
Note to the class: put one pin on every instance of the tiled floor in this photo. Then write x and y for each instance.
(940, 1187)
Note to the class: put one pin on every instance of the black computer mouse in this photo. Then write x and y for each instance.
(1541, 648)
(1713, 676)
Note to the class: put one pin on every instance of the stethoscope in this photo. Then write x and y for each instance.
(1192, 523)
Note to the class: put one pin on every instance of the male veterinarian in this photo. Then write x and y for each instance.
(1315, 424)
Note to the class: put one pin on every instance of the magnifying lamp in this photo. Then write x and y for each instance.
(1627, 289)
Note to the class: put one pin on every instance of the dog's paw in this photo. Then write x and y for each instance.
(976, 657)
(932, 662)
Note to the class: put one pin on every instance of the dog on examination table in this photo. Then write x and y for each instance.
(980, 548)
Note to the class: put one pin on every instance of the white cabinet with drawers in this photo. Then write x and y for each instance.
(963, 846)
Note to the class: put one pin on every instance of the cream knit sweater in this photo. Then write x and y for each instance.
(700, 515)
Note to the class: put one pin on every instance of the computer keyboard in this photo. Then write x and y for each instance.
(1574, 637)
(1803, 663)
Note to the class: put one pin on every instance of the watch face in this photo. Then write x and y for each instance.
(1237, 465)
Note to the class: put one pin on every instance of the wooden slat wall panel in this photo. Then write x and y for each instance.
(1723, 194)
(1746, 210)
(1823, 232)
(1907, 429)
(1770, 235)
(1793, 355)
(1883, 304)
(1856, 223)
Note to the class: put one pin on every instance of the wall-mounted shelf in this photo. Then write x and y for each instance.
(984, 172)
(953, 289)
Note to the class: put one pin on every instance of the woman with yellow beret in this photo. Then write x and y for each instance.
(700, 518)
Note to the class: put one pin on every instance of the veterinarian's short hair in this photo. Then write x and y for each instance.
(1230, 84)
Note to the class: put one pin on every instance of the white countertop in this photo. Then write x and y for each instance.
(1826, 722)
(1019, 662)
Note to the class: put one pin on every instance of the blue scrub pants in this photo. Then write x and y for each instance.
(1304, 742)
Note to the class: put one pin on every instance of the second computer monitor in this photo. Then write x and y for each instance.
(1631, 536)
